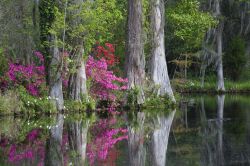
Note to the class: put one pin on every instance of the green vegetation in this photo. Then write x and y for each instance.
(235, 58)
(194, 86)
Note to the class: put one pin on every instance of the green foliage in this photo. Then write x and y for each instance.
(3, 63)
(188, 23)
(32, 105)
(89, 21)
(80, 106)
(155, 103)
(9, 103)
(132, 98)
(152, 100)
(194, 85)
(47, 18)
(235, 58)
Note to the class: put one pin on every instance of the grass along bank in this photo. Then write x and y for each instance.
(194, 86)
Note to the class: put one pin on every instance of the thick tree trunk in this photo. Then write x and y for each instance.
(55, 80)
(159, 143)
(159, 70)
(135, 54)
(136, 149)
(77, 81)
(54, 154)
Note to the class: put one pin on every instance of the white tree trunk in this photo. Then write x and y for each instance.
(55, 80)
(160, 137)
(77, 80)
(220, 77)
(135, 62)
(159, 70)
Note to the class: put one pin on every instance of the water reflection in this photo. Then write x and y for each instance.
(212, 134)
(148, 138)
(54, 155)
(207, 131)
(77, 136)
(137, 153)
(159, 141)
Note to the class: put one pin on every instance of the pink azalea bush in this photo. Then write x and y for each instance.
(104, 82)
(30, 76)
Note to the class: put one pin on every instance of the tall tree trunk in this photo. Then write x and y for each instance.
(220, 77)
(55, 73)
(159, 70)
(159, 143)
(219, 35)
(46, 20)
(135, 54)
(77, 81)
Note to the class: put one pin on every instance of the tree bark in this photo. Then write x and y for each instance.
(159, 70)
(220, 77)
(77, 81)
(55, 80)
(135, 54)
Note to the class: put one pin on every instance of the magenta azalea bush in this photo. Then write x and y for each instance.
(30, 76)
(104, 82)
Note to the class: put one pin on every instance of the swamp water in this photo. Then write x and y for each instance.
(205, 131)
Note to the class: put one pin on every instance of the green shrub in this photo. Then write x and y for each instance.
(9, 103)
(235, 58)
(31, 104)
(3, 63)
(80, 106)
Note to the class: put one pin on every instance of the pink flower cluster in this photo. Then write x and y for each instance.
(105, 139)
(30, 76)
(104, 82)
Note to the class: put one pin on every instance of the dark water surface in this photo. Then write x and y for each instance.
(205, 131)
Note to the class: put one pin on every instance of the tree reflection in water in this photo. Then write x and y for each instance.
(137, 153)
(54, 155)
(213, 135)
(158, 127)
(77, 140)
(160, 135)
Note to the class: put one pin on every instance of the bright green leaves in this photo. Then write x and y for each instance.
(189, 23)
